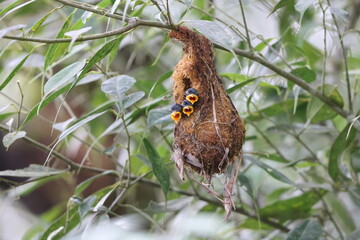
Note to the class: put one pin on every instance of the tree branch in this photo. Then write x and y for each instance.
(298, 81)
(133, 23)
(75, 166)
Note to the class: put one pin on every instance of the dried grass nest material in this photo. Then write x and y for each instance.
(212, 136)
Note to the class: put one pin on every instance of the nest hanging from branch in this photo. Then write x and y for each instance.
(209, 139)
(212, 136)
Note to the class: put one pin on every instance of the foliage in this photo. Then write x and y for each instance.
(89, 85)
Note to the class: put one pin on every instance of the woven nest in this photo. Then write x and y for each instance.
(212, 136)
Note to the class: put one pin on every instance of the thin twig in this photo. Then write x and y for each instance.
(325, 48)
(132, 25)
(245, 25)
(343, 51)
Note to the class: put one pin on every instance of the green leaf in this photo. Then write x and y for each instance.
(162, 78)
(263, 44)
(10, 29)
(50, 54)
(272, 171)
(9, 7)
(158, 166)
(244, 183)
(43, 103)
(86, 206)
(78, 124)
(307, 230)
(33, 171)
(100, 54)
(237, 77)
(254, 224)
(71, 218)
(212, 31)
(276, 109)
(12, 137)
(63, 77)
(41, 21)
(132, 98)
(158, 116)
(292, 208)
(281, 4)
(15, 70)
(304, 73)
(317, 111)
(169, 206)
(118, 86)
(340, 144)
(85, 184)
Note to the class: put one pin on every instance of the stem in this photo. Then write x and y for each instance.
(132, 25)
(245, 25)
(343, 51)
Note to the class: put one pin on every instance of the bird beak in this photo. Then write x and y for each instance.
(192, 98)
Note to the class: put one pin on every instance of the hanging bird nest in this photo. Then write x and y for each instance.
(211, 137)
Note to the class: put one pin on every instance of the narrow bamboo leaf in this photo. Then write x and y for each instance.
(276, 109)
(9, 7)
(237, 77)
(34, 171)
(12, 137)
(293, 208)
(12, 28)
(13, 8)
(6, 115)
(169, 206)
(254, 224)
(63, 77)
(76, 125)
(317, 111)
(41, 21)
(102, 200)
(281, 4)
(272, 171)
(83, 185)
(71, 218)
(50, 54)
(212, 31)
(160, 80)
(75, 34)
(245, 184)
(338, 147)
(100, 54)
(304, 73)
(158, 166)
(263, 44)
(91, 77)
(307, 230)
(14, 71)
(43, 103)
